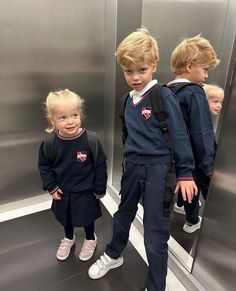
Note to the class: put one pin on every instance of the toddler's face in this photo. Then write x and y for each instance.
(215, 104)
(66, 119)
(137, 77)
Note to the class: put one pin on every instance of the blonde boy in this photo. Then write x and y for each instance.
(148, 162)
(190, 62)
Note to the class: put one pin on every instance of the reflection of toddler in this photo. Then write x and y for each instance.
(215, 96)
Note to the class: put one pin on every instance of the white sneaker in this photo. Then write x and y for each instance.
(64, 248)
(190, 228)
(103, 265)
(178, 209)
(88, 249)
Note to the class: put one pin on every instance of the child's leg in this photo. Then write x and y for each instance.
(122, 219)
(89, 232)
(89, 244)
(156, 226)
(180, 201)
(69, 229)
(68, 242)
(192, 210)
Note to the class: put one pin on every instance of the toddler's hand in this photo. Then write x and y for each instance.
(57, 194)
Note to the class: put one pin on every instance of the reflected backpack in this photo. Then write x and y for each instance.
(176, 87)
(49, 147)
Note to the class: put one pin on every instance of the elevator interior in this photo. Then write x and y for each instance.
(72, 46)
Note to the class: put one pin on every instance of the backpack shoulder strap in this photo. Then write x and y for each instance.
(159, 112)
(176, 87)
(49, 148)
(93, 146)
(157, 106)
(123, 102)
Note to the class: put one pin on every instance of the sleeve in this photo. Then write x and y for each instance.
(100, 179)
(46, 172)
(182, 150)
(201, 132)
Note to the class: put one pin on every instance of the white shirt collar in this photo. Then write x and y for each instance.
(178, 81)
(144, 90)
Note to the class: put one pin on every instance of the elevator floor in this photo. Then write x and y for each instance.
(28, 262)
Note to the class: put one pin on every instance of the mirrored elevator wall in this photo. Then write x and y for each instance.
(44, 46)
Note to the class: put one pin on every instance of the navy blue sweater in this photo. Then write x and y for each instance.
(197, 116)
(145, 143)
(73, 170)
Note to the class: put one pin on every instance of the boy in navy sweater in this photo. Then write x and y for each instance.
(148, 162)
(190, 62)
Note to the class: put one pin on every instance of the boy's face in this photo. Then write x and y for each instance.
(215, 103)
(137, 77)
(197, 73)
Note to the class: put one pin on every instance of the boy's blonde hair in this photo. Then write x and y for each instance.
(59, 97)
(197, 50)
(212, 91)
(138, 48)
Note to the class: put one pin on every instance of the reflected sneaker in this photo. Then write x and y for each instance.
(103, 265)
(189, 227)
(88, 249)
(64, 248)
(178, 209)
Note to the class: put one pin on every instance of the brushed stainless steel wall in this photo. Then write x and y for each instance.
(215, 262)
(45, 45)
(128, 19)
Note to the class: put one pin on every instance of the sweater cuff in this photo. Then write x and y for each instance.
(185, 178)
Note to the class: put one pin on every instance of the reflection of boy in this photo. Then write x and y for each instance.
(148, 162)
(190, 62)
(215, 97)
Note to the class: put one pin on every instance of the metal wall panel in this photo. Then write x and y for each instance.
(128, 19)
(45, 45)
(215, 262)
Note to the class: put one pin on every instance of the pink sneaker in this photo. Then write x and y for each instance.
(64, 248)
(88, 249)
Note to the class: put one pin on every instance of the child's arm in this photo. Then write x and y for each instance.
(182, 150)
(46, 173)
(201, 131)
(100, 179)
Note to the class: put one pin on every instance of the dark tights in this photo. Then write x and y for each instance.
(69, 229)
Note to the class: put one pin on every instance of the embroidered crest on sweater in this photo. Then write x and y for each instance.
(146, 112)
(82, 156)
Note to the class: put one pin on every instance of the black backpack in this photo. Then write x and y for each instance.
(176, 87)
(49, 147)
(158, 110)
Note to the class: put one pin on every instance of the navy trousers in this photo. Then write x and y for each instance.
(146, 182)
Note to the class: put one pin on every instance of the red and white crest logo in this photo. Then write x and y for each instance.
(146, 112)
(81, 156)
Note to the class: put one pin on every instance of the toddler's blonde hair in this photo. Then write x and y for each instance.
(197, 50)
(138, 48)
(59, 97)
(212, 90)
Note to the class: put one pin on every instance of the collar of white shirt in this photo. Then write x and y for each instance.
(137, 95)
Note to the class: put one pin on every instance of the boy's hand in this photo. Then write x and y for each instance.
(188, 189)
(57, 194)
